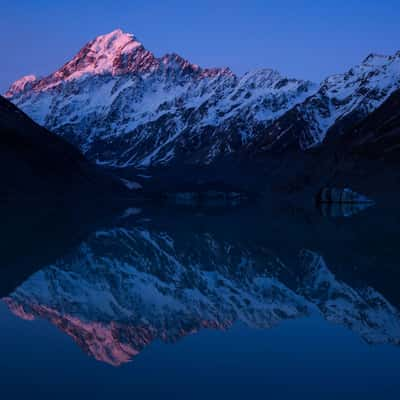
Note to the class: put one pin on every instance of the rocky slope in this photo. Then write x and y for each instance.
(123, 288)
(36, 162)
(378, 135)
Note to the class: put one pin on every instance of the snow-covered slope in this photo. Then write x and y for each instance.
(123, 288)
(123, 106)
(341, 102)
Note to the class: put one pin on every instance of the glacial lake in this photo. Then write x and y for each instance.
(172, 302)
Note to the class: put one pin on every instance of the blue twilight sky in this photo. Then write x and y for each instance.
(301, 38)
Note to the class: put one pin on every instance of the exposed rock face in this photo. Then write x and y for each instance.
(124, 288)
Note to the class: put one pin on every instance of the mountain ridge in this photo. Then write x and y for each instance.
(37, 163)
(124, 107)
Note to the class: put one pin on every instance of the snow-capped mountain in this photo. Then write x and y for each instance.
(341, 102)
(123, 106)
(123, 288)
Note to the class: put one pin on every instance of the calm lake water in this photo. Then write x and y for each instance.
(199, 303)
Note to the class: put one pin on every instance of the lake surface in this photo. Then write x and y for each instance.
(181, 302)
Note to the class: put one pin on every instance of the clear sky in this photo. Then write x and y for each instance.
(301, 38)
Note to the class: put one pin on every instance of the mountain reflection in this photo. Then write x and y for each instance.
(128, 285)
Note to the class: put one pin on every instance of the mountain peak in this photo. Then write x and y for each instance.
(176, 61)
(114, 42)
(375, 59)
(116, 32)
(20, 85)
(106, 54)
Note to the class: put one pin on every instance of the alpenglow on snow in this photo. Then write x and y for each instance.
(125, 107)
